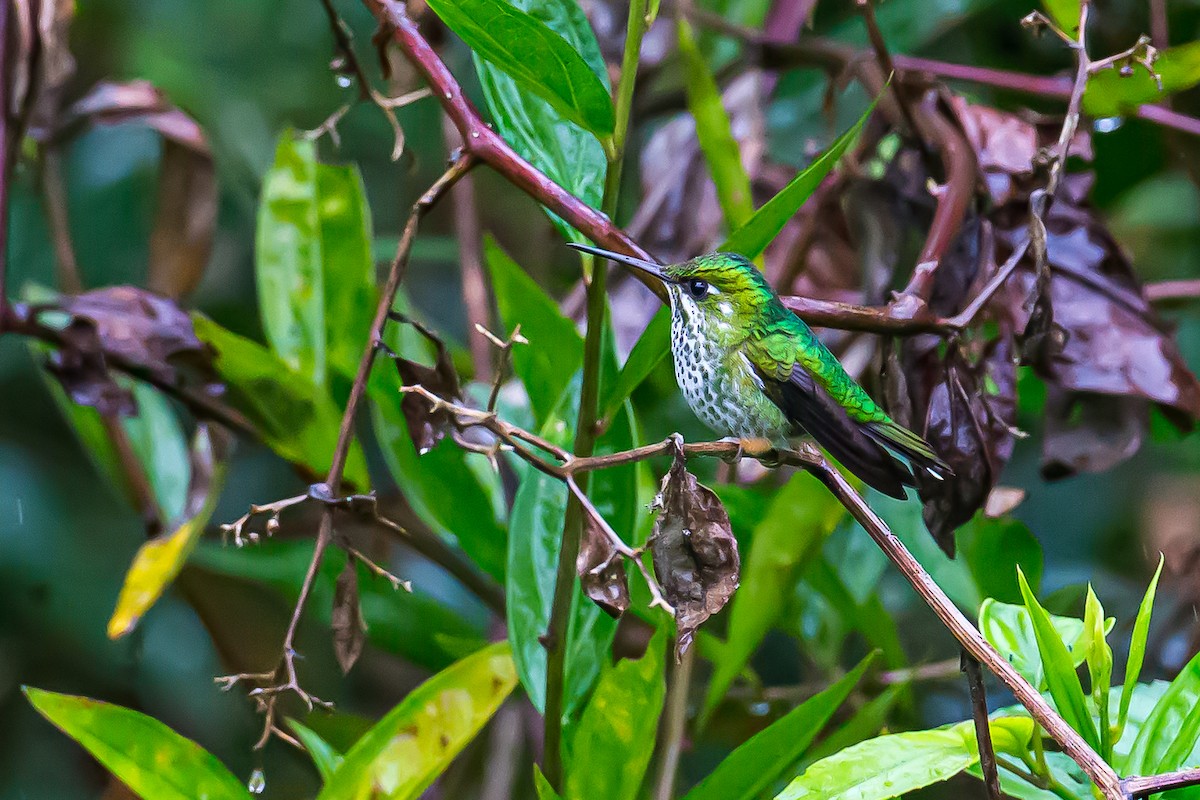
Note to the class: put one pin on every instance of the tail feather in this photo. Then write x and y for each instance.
(896, 437)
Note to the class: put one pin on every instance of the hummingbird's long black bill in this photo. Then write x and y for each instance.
(637, 263)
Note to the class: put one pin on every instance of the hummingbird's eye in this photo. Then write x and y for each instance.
(697, 288)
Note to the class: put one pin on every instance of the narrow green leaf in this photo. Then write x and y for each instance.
(1100, 663)
(325, 758)
(555, 349)
(720, 149)
(535, 534)
(1108, 94)
(542, 786)
(1059, 668)
(151, 759)
(1137, 648)
(888, 766)
(750, 769)
(865, 723)
(348, 266)
(1167, 724)
(414, 742)
(158, 441)
(295, 418)
(752, 236)
(614, 740)
(288, 268)
(540, 60)
(799, 518)
(648, 351)
(565, 152)
(1009, 629)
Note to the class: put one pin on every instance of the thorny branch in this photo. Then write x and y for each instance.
(283, 679)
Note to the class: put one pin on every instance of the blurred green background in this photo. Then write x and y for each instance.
(246, 70)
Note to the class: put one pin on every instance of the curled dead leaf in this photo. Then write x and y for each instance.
(695, 553)
(346, 621)
(602, 570)
(186, 216)
(427, 424)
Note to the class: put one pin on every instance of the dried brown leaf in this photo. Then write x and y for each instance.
(346, 621)
(601, 569)
(187, 189)
(695, 552)
(427, 424)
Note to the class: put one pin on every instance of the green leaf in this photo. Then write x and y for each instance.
(288, 268)
(648, 351)
(422, 628)
(159, 560)
(542, 786)
(1110, 95)
(799, 518)
(720, 149)
(993, 549)
(555, 349)
(154, 761)
(888, 766)
(1100, 663)
(614, 740)
(538, 59)
(1059, 668)
(750, 769)
(752, 236)
(865, 723)
(348, 266)
(325, 758)
(1064, 14)
(1169, 729)
(414, 742)
(1009, 629)
(563, 151)
(1137, 647)
(475, 519)
(295, 418)
(158, 441)
(535, 534)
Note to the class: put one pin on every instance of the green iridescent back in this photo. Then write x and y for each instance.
(743, 325)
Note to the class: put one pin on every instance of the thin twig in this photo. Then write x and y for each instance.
(283, 679)
(983, 731)
(875, 36)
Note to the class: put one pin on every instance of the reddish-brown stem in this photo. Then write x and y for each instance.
(485, 144)
(1166, 291)
(983, 731)
(470, 259)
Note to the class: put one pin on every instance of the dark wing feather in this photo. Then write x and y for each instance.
(810, 408)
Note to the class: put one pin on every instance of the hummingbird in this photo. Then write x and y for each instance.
(751, 369)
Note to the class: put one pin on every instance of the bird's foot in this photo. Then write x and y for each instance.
(760, 449)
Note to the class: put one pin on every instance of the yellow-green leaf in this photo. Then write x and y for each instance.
(159, 560)
(403, 753)
(713, 129)
(147, 756)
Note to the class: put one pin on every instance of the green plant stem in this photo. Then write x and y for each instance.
(589, 394)
(1046, 782)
